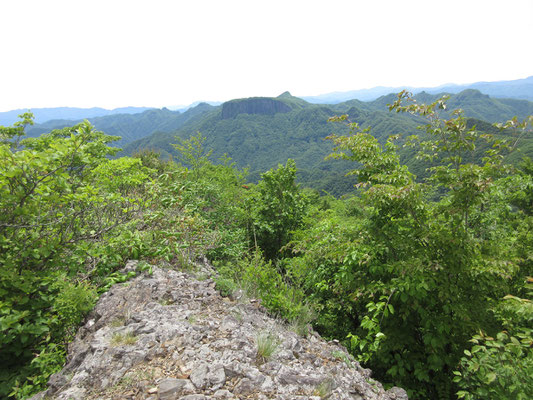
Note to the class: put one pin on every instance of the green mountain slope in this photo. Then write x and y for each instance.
(131, 127)
(260, 133)
(43, 115)
(474, 103)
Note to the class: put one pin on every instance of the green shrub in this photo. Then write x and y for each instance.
(226, 286)
(61, 198)
(263, 280)
(501, 367)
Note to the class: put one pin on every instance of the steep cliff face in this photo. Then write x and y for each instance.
(255, 105)
(169, 336)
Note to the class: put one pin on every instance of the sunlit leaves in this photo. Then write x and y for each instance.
(59, 197)
(442, 251)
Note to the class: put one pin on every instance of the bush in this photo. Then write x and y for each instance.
(60, 198)
(501, 367)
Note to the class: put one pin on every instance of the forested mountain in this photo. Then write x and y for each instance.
(474, 103)
(515, 89)
(71, 113)
(259, 133)
(130, 127)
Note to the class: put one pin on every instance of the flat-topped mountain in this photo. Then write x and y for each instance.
(253, 105)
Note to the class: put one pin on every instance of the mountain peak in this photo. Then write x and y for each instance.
(285, 94)
(203, 104)
(471, 93)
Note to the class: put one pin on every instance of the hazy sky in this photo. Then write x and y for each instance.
(164, 53)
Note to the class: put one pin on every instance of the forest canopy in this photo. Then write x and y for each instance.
(425, 277)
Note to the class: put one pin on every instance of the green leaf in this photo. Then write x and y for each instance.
(491, 377)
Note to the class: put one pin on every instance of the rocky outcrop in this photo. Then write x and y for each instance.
(170, 336)
(254, 105)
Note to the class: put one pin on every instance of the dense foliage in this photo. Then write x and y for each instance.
(433, 258)
(60, 198)
(425, 277)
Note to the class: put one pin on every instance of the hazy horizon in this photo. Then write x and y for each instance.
(195, 102)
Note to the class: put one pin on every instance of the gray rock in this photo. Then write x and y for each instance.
(223, 394)
(73, 393)
(57, 381)
(233, 369)
(267, 385)
(287, 376)
(187, 342)
(229, 323)
(397, 393)
(170, 388)
(204, 376)
(199, 376)
(245, 386)
(39, 396)
(216, 377)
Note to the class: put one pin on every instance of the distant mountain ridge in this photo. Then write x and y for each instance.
(130, 127)
(66, 113)
(474, 103)
(514, 89)
(260, 132)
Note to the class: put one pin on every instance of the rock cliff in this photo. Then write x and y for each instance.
(168, 335)
(254, 105)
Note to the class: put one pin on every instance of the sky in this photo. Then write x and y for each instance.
(158, 53)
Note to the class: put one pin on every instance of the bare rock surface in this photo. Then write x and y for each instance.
(170, 336)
